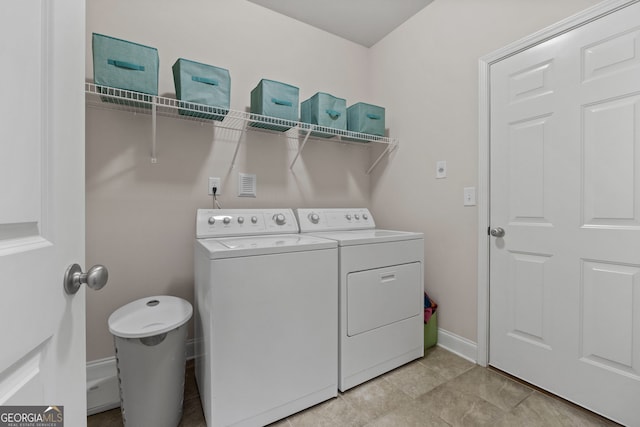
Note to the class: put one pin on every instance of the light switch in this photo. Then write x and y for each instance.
(470, 196)
(441, 169)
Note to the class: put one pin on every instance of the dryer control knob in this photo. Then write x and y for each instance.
(365, 217)
(240, 220)
(226, 220)
(254, 219)
(314, 218)
(211, 220)
(356, 216)
(279, 219)
(348, 216)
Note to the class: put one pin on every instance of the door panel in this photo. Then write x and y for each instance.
(617, 53)
(611, 143)
(608, 306)
(531, 82)
(22, 135)
(526, 170)
(565, 186)
(528, 305)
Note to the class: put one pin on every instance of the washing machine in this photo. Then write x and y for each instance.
(266, 316)
(381, 302)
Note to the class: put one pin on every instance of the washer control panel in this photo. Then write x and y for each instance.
(334, 219)
(241, 222)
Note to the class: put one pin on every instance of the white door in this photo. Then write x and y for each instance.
(42, 329)
(565, 187)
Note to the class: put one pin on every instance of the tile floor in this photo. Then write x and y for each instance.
(440, 389)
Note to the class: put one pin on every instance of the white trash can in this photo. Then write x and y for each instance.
(150, 338)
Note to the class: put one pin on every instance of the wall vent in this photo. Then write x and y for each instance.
(246, 185)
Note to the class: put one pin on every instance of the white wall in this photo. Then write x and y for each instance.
(426, 74)
(140, 216)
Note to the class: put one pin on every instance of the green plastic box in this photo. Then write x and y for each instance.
(125, 65)
(366, 118)
(202, 84)
(278, 101)
(431, 331)
(326, 110)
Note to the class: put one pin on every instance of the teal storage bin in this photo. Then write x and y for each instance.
(366, 118)
(278, 101)
(125, 65)
(202, 84)
(325, 110)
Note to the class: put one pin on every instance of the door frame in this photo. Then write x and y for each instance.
(484, 145)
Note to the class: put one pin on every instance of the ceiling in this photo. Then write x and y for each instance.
(362, 21)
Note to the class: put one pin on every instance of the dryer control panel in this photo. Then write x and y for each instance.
(312, 220)
(244, 222)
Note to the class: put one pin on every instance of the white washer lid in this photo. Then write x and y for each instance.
(232, 247)
(365, 237)
(150, 316)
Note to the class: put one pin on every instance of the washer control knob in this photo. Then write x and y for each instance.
(314, 218)
(279, 219)
(240, 220)
(211, 220)
(348, 216)
(227, 219)
(356, 216)
(254, 219)
(365, 217)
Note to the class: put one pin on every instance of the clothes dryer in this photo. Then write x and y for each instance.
(266, 316)
(380, 292)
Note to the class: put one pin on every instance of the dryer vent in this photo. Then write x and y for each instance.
(246, 185)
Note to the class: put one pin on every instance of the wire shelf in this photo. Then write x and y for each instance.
(109, 98)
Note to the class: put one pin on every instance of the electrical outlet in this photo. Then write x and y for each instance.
(214, 182)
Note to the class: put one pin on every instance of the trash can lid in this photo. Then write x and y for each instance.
(150, 316)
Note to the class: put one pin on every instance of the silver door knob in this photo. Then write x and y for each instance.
(497, 232)
(95, 278)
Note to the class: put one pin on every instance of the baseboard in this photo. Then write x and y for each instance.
(456, 344)
(102, 383)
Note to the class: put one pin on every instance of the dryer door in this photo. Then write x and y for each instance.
(382, 296)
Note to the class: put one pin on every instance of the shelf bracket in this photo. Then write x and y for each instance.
(304, 141)
(387, 150)
(235, 153)
(154, 159)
